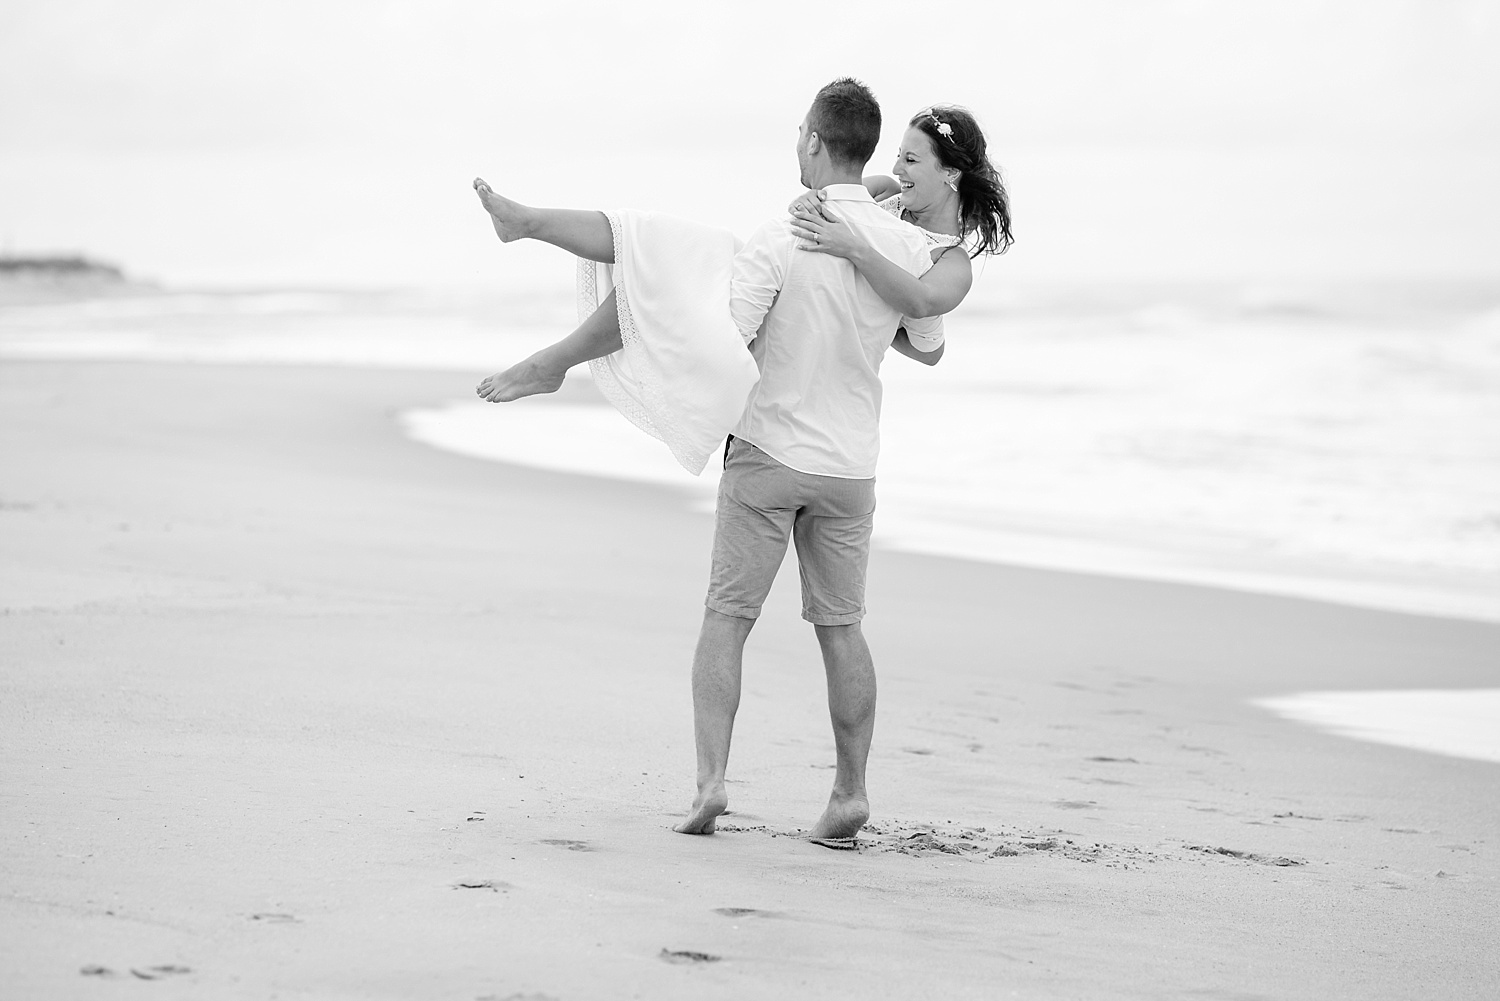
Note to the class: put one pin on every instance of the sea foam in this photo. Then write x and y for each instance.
(1462, 723)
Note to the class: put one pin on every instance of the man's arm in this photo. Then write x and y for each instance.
(923, 335)
(903, 345)
(759, 269)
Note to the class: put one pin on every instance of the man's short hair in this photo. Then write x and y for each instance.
(846, 117)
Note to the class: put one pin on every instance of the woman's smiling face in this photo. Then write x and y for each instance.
(923, 179)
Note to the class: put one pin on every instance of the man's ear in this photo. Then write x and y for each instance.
(814, 144)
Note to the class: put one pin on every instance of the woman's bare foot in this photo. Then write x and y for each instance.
(706, 809)
(843, 818)
(512, 219)
(524, 378)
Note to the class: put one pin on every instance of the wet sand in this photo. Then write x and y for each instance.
(295, 707)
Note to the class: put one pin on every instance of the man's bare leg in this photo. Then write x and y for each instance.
(583, 233)
(544, 371)
(851, 706)
(716, 699)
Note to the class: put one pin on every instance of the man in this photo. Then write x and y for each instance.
(801, 461)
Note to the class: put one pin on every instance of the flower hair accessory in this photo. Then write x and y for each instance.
(945, 129)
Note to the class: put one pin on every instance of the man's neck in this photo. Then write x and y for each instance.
(836, 175)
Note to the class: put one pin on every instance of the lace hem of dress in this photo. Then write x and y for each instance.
(650, 411)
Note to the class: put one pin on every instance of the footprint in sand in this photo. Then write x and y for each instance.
(1075, 804)
(685, 956)
(276, 919)
(981, 843)
(1246, 856)
(158, 972)
(744, 912)
(493, 885)
(572, 846)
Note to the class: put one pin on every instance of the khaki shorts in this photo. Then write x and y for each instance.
(762, 503)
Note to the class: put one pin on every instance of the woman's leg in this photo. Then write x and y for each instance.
(543, 372)
(583, 233)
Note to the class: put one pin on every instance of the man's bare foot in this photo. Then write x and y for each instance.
(706, 809)
(512, 219)
(525, 378)
(843, 818)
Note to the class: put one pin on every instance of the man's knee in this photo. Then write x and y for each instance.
(721, 622)
(838, 637)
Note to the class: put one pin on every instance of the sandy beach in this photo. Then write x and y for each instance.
(296, 707)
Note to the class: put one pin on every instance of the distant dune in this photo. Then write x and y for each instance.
(76, 266)
(46, 278)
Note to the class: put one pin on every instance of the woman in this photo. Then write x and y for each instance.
(945, 185)
(659, 339)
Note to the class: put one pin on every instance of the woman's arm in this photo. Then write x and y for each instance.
(937, 292)
(881, 186)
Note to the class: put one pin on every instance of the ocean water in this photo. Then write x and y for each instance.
(1338, 443)
(1460, 723)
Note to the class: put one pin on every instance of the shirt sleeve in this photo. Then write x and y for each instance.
(925, 334)
(758, 272)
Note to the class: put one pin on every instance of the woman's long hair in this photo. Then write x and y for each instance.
(983, 205)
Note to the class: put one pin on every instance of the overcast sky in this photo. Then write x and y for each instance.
(333, 142)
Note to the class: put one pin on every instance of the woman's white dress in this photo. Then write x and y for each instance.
(683, 372)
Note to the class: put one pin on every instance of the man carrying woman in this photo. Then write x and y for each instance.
(803, 421)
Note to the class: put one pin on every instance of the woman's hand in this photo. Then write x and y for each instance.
(808, 201)
(823, 232)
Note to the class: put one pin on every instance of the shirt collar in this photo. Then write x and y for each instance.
(848, 193)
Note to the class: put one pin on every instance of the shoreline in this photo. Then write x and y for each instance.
(588, 438)
(1121, 467)
(308, 708)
